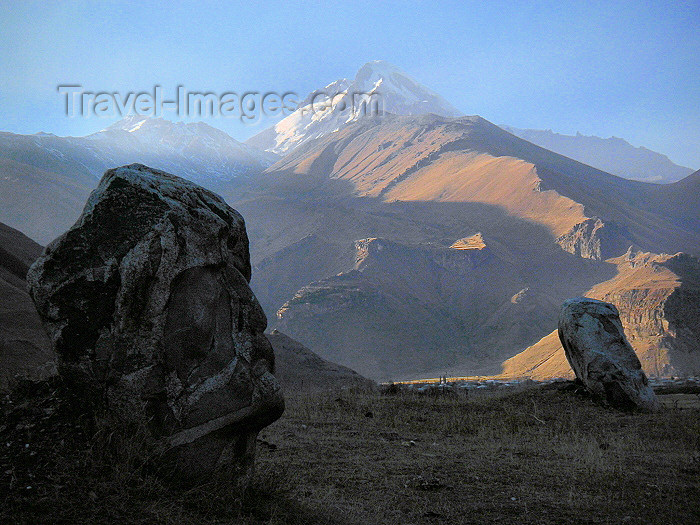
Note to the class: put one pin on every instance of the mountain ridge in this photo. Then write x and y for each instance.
(394, 91)
(613, 155)
(46, 173)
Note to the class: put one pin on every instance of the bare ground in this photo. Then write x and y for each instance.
(538, 456)
(543, 455)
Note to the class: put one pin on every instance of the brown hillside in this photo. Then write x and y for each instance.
(658, 297)
(299, 370)
(25, 349)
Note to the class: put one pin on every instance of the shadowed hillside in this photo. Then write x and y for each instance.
(24, 347)
(300, 371)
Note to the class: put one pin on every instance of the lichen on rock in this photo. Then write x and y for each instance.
(146, 301)
(600, 355)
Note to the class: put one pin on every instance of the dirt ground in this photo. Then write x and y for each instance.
(538, 455)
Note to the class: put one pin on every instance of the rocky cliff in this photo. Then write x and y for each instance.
(658, 297)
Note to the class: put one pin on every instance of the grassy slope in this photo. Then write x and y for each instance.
(537, 456)
(562, 458)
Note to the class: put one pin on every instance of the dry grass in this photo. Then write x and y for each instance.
(540, 455)
(537, 456)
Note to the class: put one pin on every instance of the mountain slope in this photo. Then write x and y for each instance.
(45, 179)
(377, 86)
(614, 155)
(25, 349)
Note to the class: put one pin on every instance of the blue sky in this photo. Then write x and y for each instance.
(628, 69)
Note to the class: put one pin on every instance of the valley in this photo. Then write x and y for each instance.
(349, 263)
(406, 245)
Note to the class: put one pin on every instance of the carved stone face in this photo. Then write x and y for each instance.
(146, 299)
(219, 368)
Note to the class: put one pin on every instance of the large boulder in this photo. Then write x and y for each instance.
(600, 355)
(147, 305)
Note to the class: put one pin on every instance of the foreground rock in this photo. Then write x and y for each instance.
(298, 369)
(147, 304)
(597, 350)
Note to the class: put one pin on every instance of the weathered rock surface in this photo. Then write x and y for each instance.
(299, 370)
(146, 301)
(584, 239)
(658, 297)
(597, 350)
(25, 350)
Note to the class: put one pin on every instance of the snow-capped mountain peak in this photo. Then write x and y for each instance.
(402, 95)
(193, 150)
(378, 85)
